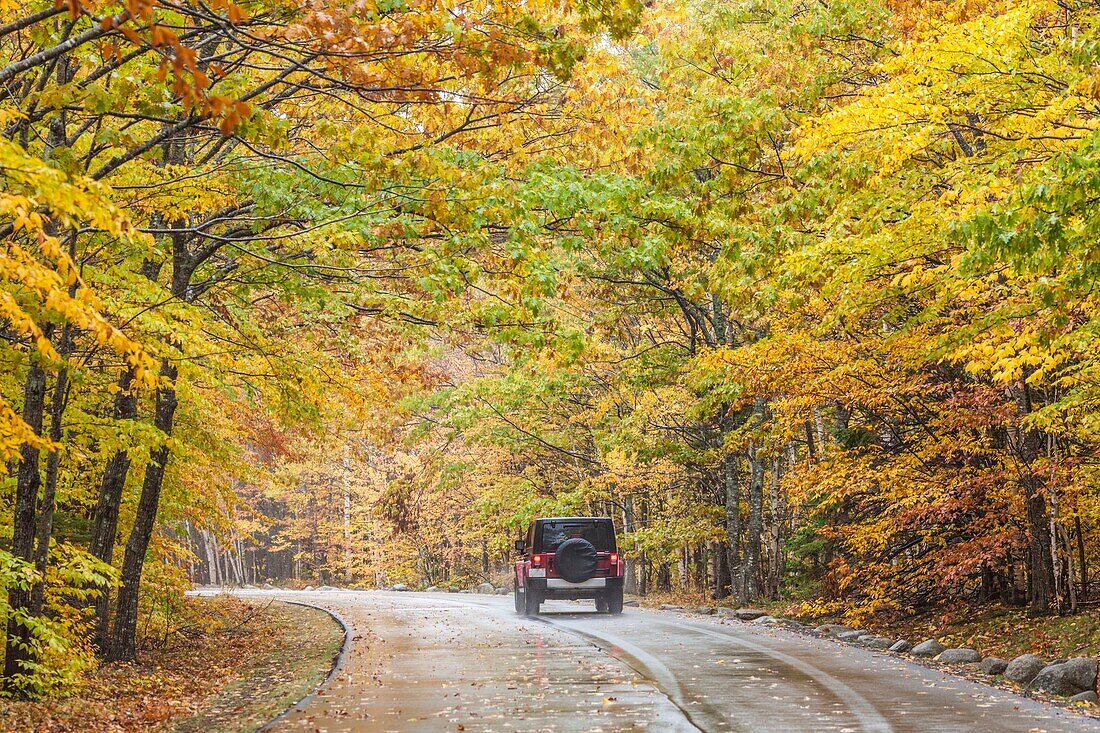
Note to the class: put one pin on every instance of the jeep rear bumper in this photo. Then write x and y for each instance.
(560, 588)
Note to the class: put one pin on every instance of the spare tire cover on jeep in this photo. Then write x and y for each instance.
(576, 560)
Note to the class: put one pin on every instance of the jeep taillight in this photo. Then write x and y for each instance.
(614, 558)
(536, 560)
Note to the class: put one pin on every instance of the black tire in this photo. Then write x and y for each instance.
(521, 604)
(576, 560)
(615, 601)
(531, 602)
(601, 604)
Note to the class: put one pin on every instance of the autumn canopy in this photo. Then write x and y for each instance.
(801, 294)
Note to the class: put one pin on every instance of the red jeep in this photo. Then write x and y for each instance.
(569, 557)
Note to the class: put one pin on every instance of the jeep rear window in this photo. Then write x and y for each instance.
(598, 533)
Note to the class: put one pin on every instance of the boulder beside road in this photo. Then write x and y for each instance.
(1022, 669)
(959, 656)
(993, 665)
(927, 648)
(832, 629)
(1069, 678)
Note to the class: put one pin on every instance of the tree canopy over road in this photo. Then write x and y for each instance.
(801, 294)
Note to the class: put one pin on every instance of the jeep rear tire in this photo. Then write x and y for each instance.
(615, 601)
(601, 603)
(521, 605)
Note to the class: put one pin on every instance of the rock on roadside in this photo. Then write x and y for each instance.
(851, 635)
(1022, 669)
(1068, 678)
(959, 656)
(993, 666)
(1087, 696)
(877, 642)
(928, 648)
(901, 646)
(832, 629)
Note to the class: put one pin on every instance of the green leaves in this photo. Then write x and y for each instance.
(57, 656)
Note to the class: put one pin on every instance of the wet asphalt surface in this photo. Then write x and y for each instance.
(449, 662)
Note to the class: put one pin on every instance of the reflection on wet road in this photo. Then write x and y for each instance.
(445, 662)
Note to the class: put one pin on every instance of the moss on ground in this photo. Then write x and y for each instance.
(1006, 632)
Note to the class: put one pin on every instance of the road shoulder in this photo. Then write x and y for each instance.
(225, 665)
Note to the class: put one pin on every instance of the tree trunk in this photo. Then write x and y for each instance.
(105, 522)
(23, 520)
(346, 485)
(664, 577)
(754, 529)
(777, 533)
(721, 587)
(1040, 561)
(122, 645)
(1026, 445)
(733, 527)
(44, 528)
(1082, 562)
(699, 564)
(630, 578)
(819, 431)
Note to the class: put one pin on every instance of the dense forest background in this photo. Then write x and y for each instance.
(801, 294)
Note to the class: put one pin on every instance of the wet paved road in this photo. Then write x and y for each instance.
(445, 662)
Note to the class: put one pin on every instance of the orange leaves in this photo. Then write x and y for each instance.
(234, 12)
(236, 111)
(189, 82)
(141, 9)
(110, 51)
(160, 35)
(231, 112)
(75, 7)
(131, 35)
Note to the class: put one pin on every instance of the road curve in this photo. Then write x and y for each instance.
(447, 662)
